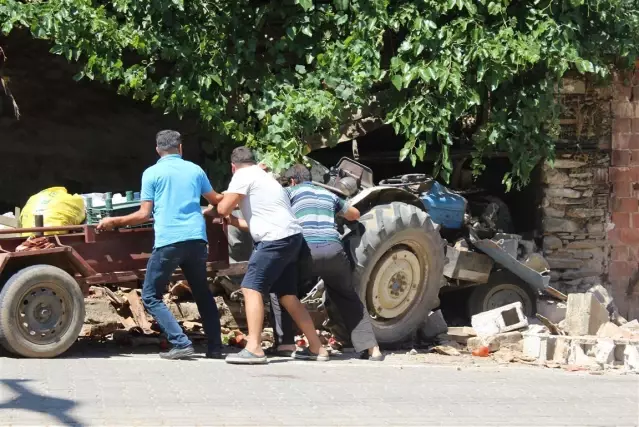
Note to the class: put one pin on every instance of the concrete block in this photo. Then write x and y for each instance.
(433, 325)
(539, 346)
(631, 358)
(461, 334)
(555, 311)
(495, 342)
(477, 342)
(584, 314)
(605, 351)
(561, 351)
(578, 355)
(499, 320)
(610, 330)
(632, 326)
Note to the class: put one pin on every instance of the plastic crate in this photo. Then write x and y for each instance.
(95, 214)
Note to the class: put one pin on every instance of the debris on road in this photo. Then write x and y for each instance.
(459, 334)
(590, 337)
(508, 318)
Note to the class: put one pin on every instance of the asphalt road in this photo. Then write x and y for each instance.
(105, 389)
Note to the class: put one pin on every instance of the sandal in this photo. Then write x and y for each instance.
(306, 354)
(245, 357)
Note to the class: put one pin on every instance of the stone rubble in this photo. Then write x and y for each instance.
(590, 337)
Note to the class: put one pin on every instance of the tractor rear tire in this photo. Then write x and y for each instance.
(41, 312)
(399, 259)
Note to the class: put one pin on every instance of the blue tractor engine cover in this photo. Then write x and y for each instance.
(445, 207)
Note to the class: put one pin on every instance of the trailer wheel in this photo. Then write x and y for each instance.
(41, 312)
(399, 260)
(504, 288)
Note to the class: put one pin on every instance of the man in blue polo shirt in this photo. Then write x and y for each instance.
(171, 190)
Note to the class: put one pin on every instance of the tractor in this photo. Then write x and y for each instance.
(404, 254)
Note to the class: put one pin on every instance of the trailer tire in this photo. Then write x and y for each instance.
(399, 261)
(41, 312)
(503, 288)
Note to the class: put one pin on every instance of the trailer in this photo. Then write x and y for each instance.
(42, 290)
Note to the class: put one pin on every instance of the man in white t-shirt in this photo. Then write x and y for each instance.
(273, 266)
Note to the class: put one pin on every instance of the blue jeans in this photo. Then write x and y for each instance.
(191, 257)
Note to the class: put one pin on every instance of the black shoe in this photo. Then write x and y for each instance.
(215, 354)
(178, 353)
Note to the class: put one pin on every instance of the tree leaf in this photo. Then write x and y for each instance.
(397, 81)
(306, 4)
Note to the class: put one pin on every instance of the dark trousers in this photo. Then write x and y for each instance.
(191, 257)
(331, 263)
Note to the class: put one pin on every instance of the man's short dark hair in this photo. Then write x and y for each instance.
(299, 173)
(243, 156)
(168, 140)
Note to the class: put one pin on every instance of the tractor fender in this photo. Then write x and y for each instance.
(374, 196)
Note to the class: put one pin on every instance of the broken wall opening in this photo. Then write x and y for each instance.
(80, 135)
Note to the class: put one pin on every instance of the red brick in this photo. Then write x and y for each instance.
(622, 126)
(621, 219)
(620, 283)
(622, 92)
(621, 174)
(635, 126)
(620, 253)
(634, 157)
(635, 220)
(629, 236)
(621, 141)
(622, 189)
(623, 109)
(621, 157)
(614, 235)
(619, 269)
(625, 204)
(633, 142)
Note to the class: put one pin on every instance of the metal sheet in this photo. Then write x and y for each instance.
(466, 265)
(539, 281)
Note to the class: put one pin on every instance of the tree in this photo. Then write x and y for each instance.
(272, 73)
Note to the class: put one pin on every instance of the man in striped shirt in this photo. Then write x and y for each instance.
(315, 209)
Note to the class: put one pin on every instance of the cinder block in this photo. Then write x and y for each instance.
(605, 351)
(539, 346)
(631, 358)
(562, 350)
(584, 314)
(499, 320)
(579, 355)
(555, 311)
(495, 342)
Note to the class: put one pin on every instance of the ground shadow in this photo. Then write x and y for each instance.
(30, 401)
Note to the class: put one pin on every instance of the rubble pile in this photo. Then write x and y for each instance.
(583, 332)
(118, 314)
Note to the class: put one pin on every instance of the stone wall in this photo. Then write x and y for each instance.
(623, 234)
(575, 213)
